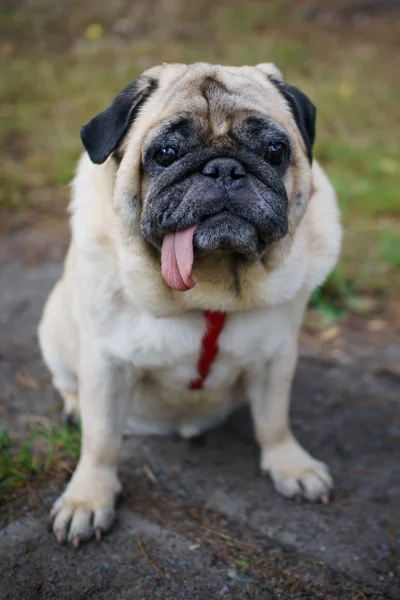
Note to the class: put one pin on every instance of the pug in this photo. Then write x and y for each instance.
(200, 226)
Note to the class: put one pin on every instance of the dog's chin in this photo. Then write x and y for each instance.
(225, 231)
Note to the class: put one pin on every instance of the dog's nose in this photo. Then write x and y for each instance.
(224, 170)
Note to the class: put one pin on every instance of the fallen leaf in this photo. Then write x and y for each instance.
(362, 305)
(27, 380)
(346, 89)
(6, 50)
(377, 325)
(389, 165)
(329, 334)
(149, 473)
(94, 31)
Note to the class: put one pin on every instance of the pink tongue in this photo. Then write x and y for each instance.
(177, 259)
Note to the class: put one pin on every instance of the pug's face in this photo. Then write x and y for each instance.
(210, 158)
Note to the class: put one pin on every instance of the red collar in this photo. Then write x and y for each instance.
(209, 347)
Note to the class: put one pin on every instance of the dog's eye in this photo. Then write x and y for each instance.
(166, 156)
(275, 154)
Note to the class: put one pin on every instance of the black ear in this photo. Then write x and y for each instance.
(103, 134)
(304, 112)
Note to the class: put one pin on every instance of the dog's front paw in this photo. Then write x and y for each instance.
(296, 473)
(87, 506)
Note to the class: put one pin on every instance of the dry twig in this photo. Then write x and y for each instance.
(143, 551)
(149, 473)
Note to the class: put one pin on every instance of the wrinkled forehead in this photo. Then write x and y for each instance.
(218, 95)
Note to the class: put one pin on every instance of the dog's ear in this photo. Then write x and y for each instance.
(305, 115)
(104, 133)
(303, 110)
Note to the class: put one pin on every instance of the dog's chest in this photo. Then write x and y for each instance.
(169, 349)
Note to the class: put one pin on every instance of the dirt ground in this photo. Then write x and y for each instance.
(196, 521)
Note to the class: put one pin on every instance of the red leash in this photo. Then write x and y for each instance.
(209, 347)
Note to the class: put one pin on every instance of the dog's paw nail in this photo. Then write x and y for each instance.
(60, 539)
(98, 534)
(76, 542)
(325, 499)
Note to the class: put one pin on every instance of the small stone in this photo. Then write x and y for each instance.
(341, 357)
(224, 590)
(377, 325)
(288, 537)
(194, 546)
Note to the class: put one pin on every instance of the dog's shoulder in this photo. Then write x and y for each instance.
(91, 267)
(92, 215)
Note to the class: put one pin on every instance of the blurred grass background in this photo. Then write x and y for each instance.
(62, 62)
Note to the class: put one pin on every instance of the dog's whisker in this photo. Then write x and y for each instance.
(283, 256)
(294, 243)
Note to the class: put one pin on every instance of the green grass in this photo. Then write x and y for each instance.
(389, 247)
(39, 453)
(337, 298)
(332, 298)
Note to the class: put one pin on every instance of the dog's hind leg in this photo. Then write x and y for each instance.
(58, 343)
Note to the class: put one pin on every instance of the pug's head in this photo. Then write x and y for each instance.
(209, 158)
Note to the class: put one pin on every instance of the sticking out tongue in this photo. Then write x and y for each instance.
(177, 259)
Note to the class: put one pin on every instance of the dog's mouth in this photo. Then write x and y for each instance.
(221, 230)
(206, 203)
